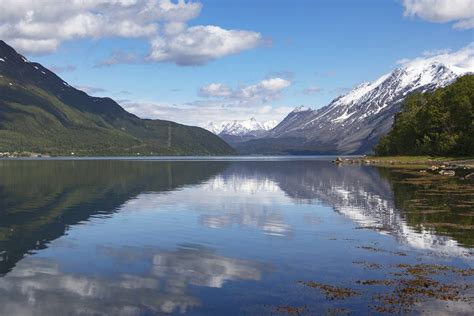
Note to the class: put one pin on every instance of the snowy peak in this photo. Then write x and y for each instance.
(369, 98)
(433, 74)
(301, 108)
(240, 128)
(354, 122)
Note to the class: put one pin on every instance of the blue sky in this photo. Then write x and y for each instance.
(293, 53)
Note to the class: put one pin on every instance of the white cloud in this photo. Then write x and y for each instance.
(38, 27)
(442, 11)
(460, 61)
(215, 90)
(262, 92)
(198, 45)
(221, 102)
(200, 113)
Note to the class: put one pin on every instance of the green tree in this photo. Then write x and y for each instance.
(434, 123)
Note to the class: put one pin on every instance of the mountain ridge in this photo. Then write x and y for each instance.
(238, 131)
(352, 123)
(40, 112)
(240, 127)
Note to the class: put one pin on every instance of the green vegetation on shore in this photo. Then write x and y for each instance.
(40, 113)
(420, 160)
(33, 119)
(439, 123)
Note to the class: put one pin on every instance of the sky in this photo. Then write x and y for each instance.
(211, 60)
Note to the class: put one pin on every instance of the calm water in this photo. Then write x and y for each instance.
(147, 237)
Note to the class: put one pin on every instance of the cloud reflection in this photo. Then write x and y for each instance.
(39, 286)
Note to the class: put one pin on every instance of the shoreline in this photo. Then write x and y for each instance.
(460, 167)
(410, 160)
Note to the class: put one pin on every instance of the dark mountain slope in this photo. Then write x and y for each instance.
(40, 112)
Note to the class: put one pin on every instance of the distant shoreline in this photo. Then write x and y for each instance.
(389, 161)
(187, 158)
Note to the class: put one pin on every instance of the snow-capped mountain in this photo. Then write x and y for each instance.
(237, 132)
(354, 122)
(240, 128)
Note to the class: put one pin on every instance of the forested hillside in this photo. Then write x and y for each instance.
(39, 112)
(434, 123)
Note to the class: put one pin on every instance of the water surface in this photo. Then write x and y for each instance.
(226, 237)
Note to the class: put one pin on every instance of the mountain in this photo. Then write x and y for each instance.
(354, 122)
(40, 112)
(236, 132)
(240, 128)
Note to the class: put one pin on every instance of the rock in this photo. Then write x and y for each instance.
(469, 176)
(434, 168)
(338, 159)
(367, 162)
(449, 173)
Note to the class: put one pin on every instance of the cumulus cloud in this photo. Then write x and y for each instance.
(199, 44)
(39, 27)
(215, 90)
(262, 92)
(441, 11)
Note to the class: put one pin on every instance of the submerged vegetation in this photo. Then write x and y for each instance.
(404, 290)
(429, 201)
(439, 123)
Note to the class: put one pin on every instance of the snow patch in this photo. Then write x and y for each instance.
(240, 128)
(301, 108)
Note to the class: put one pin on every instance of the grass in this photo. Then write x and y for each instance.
(418, 159)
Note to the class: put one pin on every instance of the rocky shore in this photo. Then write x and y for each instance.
(449, 168)
(23, 154)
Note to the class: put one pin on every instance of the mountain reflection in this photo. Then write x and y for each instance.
(365, 194)
(41, 287)
(39, 200)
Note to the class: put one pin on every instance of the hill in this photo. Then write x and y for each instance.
(40, 112)
(439, 123)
